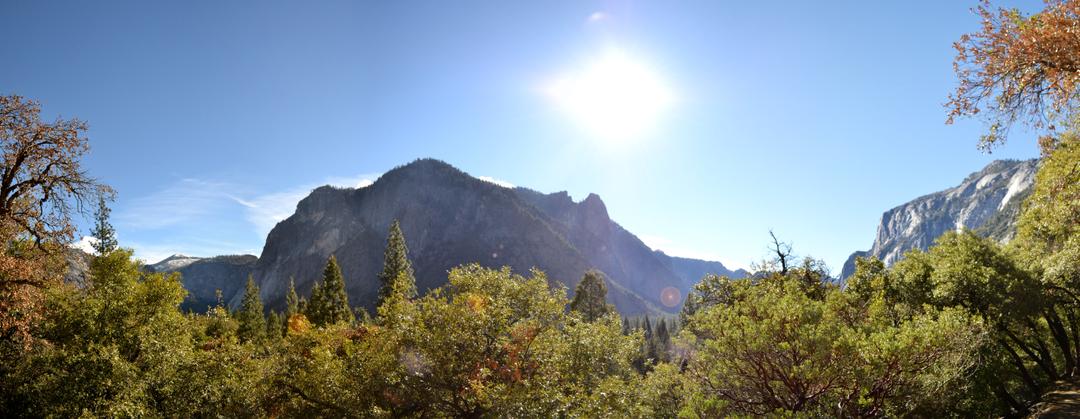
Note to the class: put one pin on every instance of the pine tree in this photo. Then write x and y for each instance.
(662, 341)
(396, 266)
(292, 301)
(103, 230)
(625, 326)
(590, 296)
(302, 307)
(250, 316)
(275, 325)
(315, 310)
(650, 354)
(329, 301)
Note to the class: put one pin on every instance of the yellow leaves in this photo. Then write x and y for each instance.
(477, 303)
(298, 324)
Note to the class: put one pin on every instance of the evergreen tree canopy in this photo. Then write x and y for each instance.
(103, 230)
(250, 316)
(590, 297)
(292, 301)
(329, 301)
(396, 266)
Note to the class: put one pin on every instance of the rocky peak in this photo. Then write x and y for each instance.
(987, 200)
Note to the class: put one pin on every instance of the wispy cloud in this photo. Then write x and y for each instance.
(499, 182)
(184, 201)
(199, 217)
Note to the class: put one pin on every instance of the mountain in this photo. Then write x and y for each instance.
(692, 270)
(987, 201)
(204, 277)
(451, 218)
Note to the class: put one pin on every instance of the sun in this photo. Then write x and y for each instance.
(613, 97)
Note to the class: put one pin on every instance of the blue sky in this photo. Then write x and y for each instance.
(212, 119)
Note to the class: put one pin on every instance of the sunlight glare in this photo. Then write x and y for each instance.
(614, 97)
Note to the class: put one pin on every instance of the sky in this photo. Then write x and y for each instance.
(702, 125)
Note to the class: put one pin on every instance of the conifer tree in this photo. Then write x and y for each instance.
(662, 341)
(292, 301)
(329, 301)
(275, 325)
(316, 306)
(396, 266)
(590, 296)
(650, 342)
(252, 323)
(302, 306)
(103, 230)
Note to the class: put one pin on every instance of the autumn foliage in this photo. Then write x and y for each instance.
(42, 185)
(1019, 69)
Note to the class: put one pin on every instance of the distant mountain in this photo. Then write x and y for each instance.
(204, 277)
(692, 270)
(450, 218)
(987, 201)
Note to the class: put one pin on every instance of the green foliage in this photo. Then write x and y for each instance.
(292, 301)
(108, 343)
(590, 297)
(1047, 230)
(275, 325)
(967, 328)
(103, 230)
(781, 347)
(329, 302)
(710, 291)
(250, 316)
(397, 274)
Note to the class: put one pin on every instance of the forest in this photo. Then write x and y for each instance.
(970, 327)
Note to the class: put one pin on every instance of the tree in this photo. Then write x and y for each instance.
(396, 266)
(590, 297)
(1030, 335)
(250, 316)
(493, 343)
(662, 341)
(710, 291)
(275, 325)
(1019, 68)
(120, 347)
(292, 301)
(782, 251)
(42, 185)
(329, 301)
(315, 308)
(780, 351)
(110, 345)
(103, 232)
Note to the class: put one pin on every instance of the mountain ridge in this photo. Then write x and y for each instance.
(987, 200)
(449, 218)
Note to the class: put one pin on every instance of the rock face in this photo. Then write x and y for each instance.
(987, 201)
(450, 218)
(78, 267)
(204, 277)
